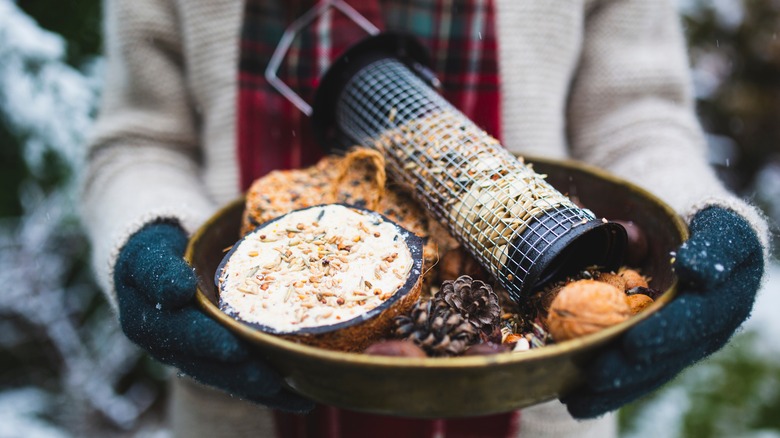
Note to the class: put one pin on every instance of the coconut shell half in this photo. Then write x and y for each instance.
(332, 276)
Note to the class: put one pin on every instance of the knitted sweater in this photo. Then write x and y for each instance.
(606, 82)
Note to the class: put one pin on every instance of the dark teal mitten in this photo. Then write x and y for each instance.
(719, 270)
(155, 289)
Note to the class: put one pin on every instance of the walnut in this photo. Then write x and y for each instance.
(638, 302)
(586, 306)
(633, 279)
(614, 279)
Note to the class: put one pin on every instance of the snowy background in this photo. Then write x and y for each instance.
(66, 369)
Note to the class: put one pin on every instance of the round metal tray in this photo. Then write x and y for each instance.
(458, 386)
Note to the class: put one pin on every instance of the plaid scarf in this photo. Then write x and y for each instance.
(274, 134)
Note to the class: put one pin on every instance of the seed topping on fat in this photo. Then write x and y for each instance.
(314, 267)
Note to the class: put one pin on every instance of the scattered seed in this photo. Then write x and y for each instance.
(253, 271)
(273, 264)
(246, 290)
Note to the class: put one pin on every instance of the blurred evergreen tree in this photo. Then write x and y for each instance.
(78, 22)
(12, 172)
(70, 334)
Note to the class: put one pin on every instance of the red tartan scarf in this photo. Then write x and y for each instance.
(274, 134)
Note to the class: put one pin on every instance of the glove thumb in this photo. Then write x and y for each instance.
(151, 263)
(720, 241)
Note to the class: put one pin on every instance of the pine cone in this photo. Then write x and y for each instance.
(474, 300)
(436, 328)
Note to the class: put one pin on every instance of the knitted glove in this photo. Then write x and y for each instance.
(155, 289)
(719, 270)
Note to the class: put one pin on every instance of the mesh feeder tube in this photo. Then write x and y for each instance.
(523, 231)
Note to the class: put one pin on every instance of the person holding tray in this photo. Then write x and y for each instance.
(188, 121)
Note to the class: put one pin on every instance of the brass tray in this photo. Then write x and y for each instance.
(459, 386)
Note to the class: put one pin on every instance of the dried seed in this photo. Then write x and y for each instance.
(253, 271)
(273, 263)
(246, 290)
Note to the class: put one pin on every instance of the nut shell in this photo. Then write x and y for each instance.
(586, 306)
(638, 302)
(614, 279)
(633, 279)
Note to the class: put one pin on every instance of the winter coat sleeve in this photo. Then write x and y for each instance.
(143, 155)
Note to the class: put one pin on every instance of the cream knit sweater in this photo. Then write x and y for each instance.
(605, 82)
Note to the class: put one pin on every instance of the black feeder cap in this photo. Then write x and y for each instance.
(574, 248)
(401, 46)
